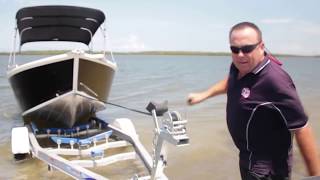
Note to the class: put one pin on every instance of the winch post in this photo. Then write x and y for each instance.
(171, 128)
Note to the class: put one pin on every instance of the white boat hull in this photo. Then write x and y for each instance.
(63, 90)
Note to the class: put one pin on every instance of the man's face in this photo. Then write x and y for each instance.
(246, 62)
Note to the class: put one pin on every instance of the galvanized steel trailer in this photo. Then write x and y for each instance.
(90, 142)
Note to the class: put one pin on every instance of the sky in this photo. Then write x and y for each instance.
(288, 26)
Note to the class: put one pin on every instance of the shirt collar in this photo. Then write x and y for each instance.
(261, 65)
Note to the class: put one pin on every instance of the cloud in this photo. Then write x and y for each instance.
(130, 43)
(18, 2)
(293, 36)
(312, 29)
(277, 21)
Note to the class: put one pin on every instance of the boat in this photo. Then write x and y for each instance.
(60, 95)
(67, 89)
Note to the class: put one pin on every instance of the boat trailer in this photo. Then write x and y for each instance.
(74, 150)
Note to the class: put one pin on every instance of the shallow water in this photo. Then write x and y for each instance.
(142, 78)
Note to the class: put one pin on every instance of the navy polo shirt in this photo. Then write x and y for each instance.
(262, 108)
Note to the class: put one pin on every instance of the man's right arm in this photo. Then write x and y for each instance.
(218, 88)
(308, 148)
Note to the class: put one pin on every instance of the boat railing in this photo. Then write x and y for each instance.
(12, 57)
(103, 30)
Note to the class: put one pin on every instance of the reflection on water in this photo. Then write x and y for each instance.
(211, 154)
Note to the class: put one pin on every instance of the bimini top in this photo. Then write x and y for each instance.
(58, 23)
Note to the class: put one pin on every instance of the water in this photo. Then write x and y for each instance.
(142, 78)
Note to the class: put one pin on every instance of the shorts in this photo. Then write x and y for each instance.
(248, 175)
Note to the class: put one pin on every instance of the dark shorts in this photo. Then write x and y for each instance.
(247, 175)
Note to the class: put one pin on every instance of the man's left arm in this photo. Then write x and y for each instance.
(308, 148)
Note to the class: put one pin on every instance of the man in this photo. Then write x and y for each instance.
(263, 110)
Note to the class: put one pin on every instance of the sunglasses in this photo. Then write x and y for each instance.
(244, 49)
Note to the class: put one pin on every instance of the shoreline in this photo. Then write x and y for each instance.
(176, 53)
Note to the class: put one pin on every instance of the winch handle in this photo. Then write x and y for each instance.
(160, 108)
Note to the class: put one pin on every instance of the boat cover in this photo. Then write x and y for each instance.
(58, 23)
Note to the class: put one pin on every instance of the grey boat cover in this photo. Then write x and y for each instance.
(58, 23)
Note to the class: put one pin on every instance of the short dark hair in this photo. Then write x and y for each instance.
(243, 25)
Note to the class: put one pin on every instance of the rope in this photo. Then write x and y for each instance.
(130, 109)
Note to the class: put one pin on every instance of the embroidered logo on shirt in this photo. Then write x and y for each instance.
(245, 92)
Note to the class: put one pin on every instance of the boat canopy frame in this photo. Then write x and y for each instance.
(58, 23)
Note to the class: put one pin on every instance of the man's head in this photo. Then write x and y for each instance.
(247, 46)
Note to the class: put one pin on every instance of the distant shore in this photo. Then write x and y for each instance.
(182, 53)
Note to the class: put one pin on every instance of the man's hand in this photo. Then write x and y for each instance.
(195, 98)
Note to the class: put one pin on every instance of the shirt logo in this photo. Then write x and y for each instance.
(245, 92)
